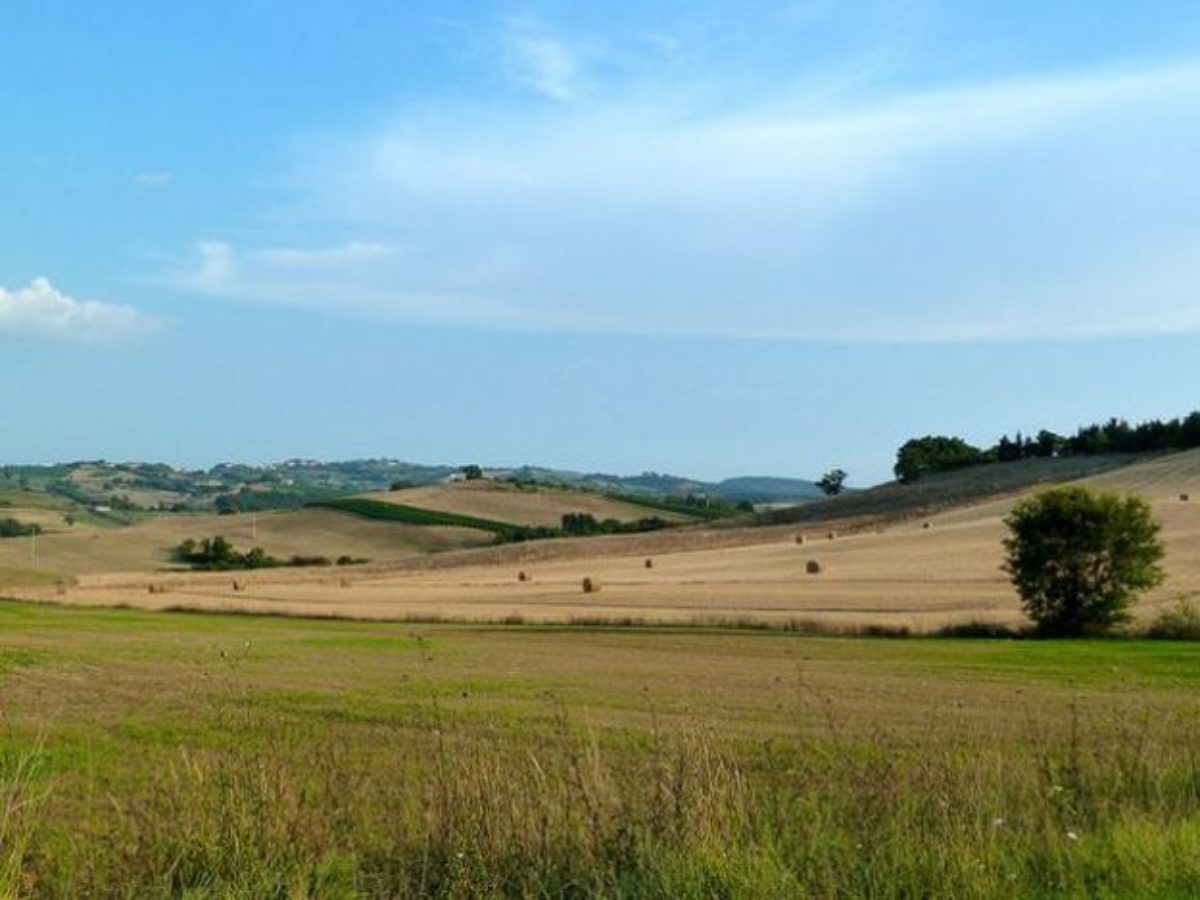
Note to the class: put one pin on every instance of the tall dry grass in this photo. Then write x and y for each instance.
(1091, 806)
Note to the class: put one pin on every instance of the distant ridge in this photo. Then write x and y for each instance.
(232, 487)
(768, 489)
(753, 488)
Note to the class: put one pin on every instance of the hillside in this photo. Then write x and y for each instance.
(767, 489)
(146, 546)
(932, 493)
(755, 489)
(910, 572)
(139, 487)
(516, 504)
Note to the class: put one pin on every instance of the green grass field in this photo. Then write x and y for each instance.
(679, 506)
(165, 755)
(413, 515)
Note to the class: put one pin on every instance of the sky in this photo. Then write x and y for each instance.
(712, 238)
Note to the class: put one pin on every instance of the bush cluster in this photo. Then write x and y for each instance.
(219, 555)
(939, 453)
(582, 524)
(11, 528)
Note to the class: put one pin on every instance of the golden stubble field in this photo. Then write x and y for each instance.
(921, 574)
(83, 550)
(519, 505)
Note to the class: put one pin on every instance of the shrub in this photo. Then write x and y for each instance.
(977, 628)
(1178, 622)
(216, 554)
(1079, 558)
(579, 523)
(11, 528)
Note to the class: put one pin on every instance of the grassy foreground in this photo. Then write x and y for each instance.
(168, 755)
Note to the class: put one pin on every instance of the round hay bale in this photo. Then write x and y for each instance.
(812, 567)
(831, 535)
(800, 539)
(591, 585)
(649, 563)
(927, 525)
(1184, 497)
(238, 586)
(523, 576)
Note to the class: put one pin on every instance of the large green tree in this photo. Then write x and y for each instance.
(934, 453)
(1079, 558)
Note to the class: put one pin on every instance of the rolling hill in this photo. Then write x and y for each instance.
(932, 493)
(533, 505)
(146, 546)
(295, 483)
(899, 570)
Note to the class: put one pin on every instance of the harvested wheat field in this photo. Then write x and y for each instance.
(520, 504)
(47, 519)
(81, 550)
(920, 574)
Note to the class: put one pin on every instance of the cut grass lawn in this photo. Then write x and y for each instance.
(158, 755)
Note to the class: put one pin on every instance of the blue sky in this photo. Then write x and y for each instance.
(713, 238)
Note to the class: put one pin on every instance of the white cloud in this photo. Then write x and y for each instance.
(542, 62)
(41, 310)
(1041, 207)
(153, 179)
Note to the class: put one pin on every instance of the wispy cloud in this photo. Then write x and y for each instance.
(1038, 207)
(542, 61)
(41, 310)
(214, 268)
(349, 279)
(156, 179)
(323, 257)
(218, 267)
